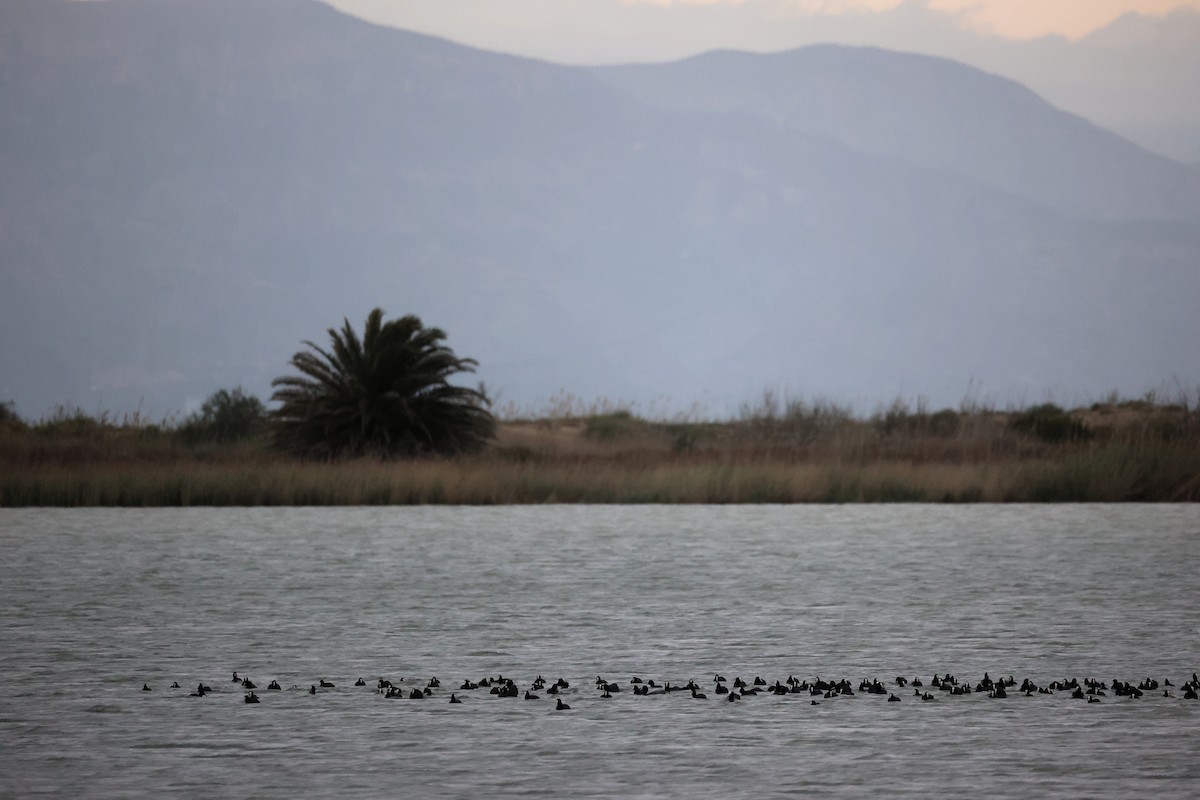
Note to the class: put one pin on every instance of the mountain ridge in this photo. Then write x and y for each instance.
(882, 102)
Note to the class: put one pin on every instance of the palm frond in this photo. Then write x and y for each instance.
(387, 393)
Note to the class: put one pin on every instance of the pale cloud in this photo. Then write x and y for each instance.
(683, 2)
(1027, 19)
(804, 6)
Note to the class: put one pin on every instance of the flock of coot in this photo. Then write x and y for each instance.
(1089, 689)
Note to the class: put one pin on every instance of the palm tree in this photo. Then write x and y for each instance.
(387, 394)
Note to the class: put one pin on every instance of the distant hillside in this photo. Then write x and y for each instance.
(192, 187)
(931, 112)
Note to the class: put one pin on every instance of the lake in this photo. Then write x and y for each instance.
(97, 602)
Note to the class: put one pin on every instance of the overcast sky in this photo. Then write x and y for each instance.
(608, 31)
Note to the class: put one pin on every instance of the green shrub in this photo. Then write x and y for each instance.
(72, 422)
(899, 420)
(8, 416)
(945, 423)
(807, 422)
(684, 437)
(607, 427)
(1051, 424)
(225, 417)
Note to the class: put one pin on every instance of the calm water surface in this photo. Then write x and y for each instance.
(98, 602)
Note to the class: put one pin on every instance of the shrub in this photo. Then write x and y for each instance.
(945, 423)
(8, 416)
(226, 416)
(1051, 424)
(607, 427)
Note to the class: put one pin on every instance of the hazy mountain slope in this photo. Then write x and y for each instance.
(933, 112)
(190, 189)
(1136, 76)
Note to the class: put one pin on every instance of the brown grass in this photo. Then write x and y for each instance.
(1148, 452)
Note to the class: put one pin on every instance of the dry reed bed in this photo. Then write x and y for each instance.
(1120, 475)
(1132, 454)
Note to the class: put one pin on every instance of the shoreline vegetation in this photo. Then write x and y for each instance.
(1145, 450)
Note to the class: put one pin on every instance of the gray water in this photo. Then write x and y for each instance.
(98, 602)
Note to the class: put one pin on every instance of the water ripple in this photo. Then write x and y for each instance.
(155, 596)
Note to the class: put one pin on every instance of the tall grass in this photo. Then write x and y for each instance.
(773, 452)
(1114, 473)
(489, 482)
